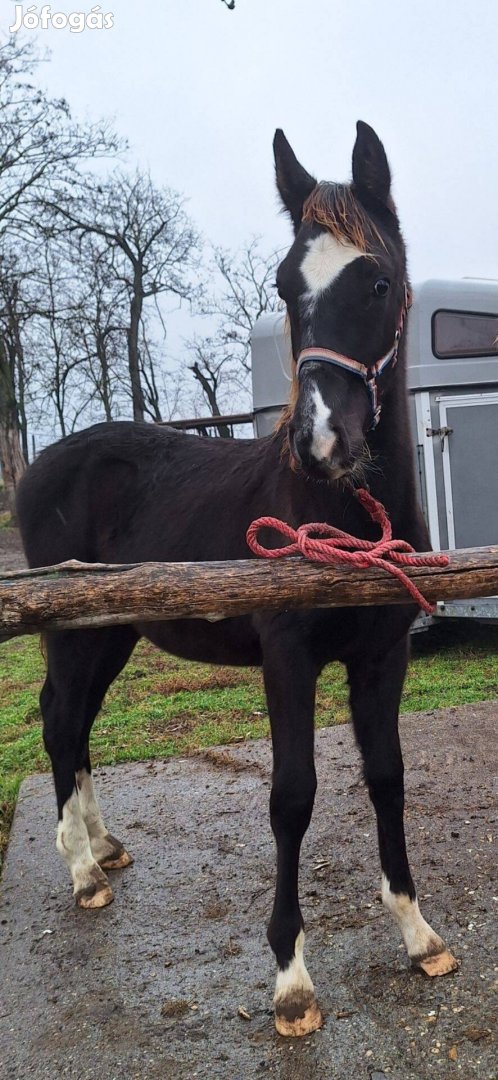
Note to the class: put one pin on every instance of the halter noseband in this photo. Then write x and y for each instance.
(368, 374)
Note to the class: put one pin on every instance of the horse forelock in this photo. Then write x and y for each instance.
(335, 208)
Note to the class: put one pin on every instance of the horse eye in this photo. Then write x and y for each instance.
(382, 286)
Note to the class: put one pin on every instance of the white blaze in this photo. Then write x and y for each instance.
(325, 259)
(324, 437)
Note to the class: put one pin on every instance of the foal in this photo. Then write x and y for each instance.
(125, 492)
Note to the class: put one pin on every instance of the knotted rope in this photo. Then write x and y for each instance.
(341, 547)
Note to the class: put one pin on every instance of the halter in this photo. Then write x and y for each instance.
(368, 374)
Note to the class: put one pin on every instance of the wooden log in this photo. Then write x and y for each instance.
(76, 595)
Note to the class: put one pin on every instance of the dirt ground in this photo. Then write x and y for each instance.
(151, 986)
(11, 555)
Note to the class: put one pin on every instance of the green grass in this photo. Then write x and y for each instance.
(162, 706)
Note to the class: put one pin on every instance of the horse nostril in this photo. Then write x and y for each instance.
(302, 450)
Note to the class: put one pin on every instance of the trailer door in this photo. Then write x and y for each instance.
(470, 468)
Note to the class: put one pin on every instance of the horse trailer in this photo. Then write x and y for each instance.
(452, 376)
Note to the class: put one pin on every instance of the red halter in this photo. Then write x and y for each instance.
(368, 374)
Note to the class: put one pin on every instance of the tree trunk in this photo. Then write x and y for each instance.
(21, 405)
(105, 386)
(17, 365)
(136, 305)
(12, 460)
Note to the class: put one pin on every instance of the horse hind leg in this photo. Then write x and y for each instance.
(90, 885)
(107, 851)
(81, 666)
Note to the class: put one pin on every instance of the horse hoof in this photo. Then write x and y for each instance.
(100, 898)
(116, 858)
(297, 1016)
(118, 863)
(440, 964)
(97, 893)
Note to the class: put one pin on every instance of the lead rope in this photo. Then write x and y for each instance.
(341, 547)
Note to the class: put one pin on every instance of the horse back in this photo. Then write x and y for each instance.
(123, 491)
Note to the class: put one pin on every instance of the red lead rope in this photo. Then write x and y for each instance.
(341, 547)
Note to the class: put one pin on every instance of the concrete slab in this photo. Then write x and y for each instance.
(150, 987)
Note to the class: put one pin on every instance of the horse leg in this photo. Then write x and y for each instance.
(81, 666)
(109, 852)
(375, 693)
(290, 692)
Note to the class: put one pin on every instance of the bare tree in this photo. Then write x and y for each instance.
(208, 370)
(247, 291)
(60, 357)
(222, 360)
(15, 310)
(152, 245)
(40, 146)
(98, 324)
(11, 455)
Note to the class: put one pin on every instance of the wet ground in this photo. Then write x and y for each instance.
(151, 987)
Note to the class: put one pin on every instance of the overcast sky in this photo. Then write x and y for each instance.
(199, 90)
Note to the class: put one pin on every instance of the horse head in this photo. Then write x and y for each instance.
(344, 284)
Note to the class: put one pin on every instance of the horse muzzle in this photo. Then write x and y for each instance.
(320, 454)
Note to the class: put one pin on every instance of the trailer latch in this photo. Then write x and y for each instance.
(441, 431)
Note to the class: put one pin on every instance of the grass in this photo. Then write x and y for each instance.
(160, 706)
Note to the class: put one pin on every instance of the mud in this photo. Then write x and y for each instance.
(175, 979)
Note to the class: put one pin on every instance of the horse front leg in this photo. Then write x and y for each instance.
(290, 689)
(375, 693)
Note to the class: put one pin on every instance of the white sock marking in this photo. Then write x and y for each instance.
(418, 936)
(325, 259)
(294, 979)
(73, 843)
(89, 805)
(97, 832)
(324, 437)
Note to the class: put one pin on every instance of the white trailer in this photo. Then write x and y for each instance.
(452, 370)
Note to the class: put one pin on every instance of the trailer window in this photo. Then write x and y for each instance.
(464, 333)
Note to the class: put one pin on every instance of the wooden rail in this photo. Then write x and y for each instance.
(76, 595)
(199, 422)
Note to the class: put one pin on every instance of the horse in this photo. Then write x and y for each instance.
(124, 492)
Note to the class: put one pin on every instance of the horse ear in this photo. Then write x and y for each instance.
(293, 182)
(371, 173)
